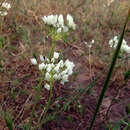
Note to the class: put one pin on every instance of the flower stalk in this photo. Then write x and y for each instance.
(35, 102)
(51, 50)
(1, 23)
(48, 103)
(90, 68)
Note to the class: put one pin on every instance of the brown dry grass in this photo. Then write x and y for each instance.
(95, 20)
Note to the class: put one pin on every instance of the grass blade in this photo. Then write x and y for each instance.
(8, 121)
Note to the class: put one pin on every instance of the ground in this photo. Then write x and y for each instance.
(73, 104)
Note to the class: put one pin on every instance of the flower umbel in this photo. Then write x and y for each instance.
(58, 69)
(113, 43)
(5, 7)
(58, 22)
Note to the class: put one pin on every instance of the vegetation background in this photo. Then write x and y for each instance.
(23, 35)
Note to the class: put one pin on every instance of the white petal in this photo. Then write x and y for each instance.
(55, 76)
(65, 28)
(126, 48)
(47, 76)
(6, 5)
(61, 20)
(71, 23)
(53, 60)
(61, 64)
(59, 30)
(41, 58)
(92, 41)
(33, 61)
(42, 66)
(56, 55)
(47, 86)
(3, 13)
(57, 68)
(49, 67)
(69, 18)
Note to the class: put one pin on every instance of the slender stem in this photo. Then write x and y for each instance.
(1, 24)
(35, 102)
(90, 62)
(52, 50)
(48, 103)
(109, 73)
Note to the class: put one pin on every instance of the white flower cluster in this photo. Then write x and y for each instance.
(113, 43)
(7, 6)
(58, 22)
(59, 69)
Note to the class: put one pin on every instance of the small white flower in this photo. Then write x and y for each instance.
(124, 42)
(55, 18)
(64, 79)
(111, 43)
(114, 42)
(42, 58)
(61, 20)
(55, 77)
(33, 61)
(62, 82)
(58, 76)
(89, 45)
(70, 71)
(67, 63)
(65, 29)
(46, 59)
(57, 68)
(53, 60)
(85, 43)
(50, 20)
(47, 76)
(59, 30)
(3, 13)
(73, 26)
(69, 18)
(6, 5)
(47, 86)
(64, 72)
(44, 18)
(71, 23)
(115, 38)
(52, 65)
(126, 48)
(42, 66)
(56, 55)
(92, 41)
(61, 64)
(49, 67)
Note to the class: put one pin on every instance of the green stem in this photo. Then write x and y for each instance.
(1, 23)
(51, 50)
(109, 73)
(48, 103)
(35, 102)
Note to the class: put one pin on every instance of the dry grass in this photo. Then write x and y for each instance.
(25, 36)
